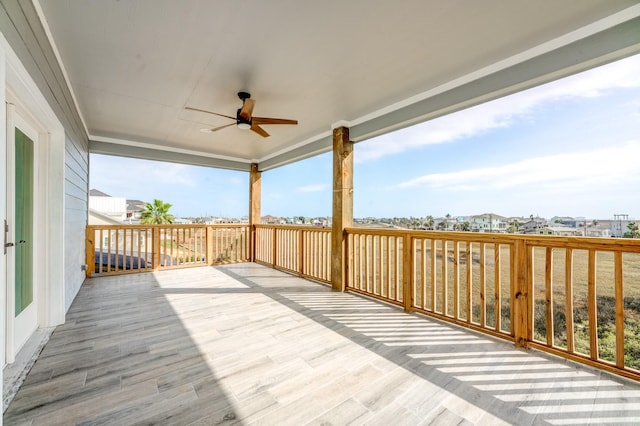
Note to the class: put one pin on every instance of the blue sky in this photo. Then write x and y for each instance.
(571, 147)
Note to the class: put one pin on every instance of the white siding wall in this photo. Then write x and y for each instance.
(75, 220)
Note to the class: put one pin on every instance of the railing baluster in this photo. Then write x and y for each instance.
(497, 283)
(407, 271)
(469, 281)
(568, 298)
(434, 275)
(619, 303)
(592, 306)
(456, 278)
(548, 271)
(483, 285)
(445, 275)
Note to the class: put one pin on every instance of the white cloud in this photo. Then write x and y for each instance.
(574, 171)
(313, 188)
(502, 112)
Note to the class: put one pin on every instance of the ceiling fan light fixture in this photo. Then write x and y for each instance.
(244, 126)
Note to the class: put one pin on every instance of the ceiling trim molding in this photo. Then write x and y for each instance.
(301, 152)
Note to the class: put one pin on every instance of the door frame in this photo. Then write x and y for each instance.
(18, 87)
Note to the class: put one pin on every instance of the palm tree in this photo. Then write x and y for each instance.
(514, 225)
(429, 222)
(156, 213)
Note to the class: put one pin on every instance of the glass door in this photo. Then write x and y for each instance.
(23, 228)
(21, 309)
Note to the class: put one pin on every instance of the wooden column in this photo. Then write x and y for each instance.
(254, 207)
(342, 204)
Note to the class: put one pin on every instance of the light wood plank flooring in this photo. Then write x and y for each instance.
(245, 344)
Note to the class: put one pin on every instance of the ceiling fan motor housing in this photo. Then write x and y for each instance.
(240, 119)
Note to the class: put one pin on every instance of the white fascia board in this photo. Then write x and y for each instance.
(147, 151)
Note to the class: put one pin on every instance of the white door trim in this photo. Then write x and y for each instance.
(20, 327)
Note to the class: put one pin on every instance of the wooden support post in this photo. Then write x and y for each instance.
(342, 204)
(254, 208)
(520, 322)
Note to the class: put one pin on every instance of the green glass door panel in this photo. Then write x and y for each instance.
(23, 221)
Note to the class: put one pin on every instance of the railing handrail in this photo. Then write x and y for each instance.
(598, 243)
(168, 225)
(292, 226)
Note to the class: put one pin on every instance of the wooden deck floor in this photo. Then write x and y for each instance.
(245, 344)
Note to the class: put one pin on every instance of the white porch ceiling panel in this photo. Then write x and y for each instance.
(133, 66)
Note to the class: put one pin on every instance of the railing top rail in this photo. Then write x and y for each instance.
(585, 243)
(172, 225)
(304, 227)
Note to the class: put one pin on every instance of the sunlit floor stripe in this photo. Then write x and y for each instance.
(485, 360)
(496, 387)
(439, 342)
(381, 327)
(521, 376)
(596, 420)
(386, 321)
(521, 367)
(557, 396)
(581, 408)
(465, 354)
(414, 338)
(414, 333)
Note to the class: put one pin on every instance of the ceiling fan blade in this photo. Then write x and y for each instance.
(247, 109)
(215, 129)
(259, 130)
(209, 112)
(266, 120)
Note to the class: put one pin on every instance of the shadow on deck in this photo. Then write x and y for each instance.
(247, 344)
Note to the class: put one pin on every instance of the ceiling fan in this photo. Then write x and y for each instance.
(243, 119)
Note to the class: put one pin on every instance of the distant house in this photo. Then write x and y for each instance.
(533, 226)
(108, 208)
(488, 222)
(134, 210)
(565, 220)
(271, 220)
(619, 225)
(562, 231)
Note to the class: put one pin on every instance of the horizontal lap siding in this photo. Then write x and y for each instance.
(75, 221)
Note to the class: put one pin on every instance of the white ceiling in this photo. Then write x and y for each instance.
(133, 65)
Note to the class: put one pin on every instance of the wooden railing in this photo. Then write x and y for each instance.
(122, 249)
(578, 298)
(303, 250)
